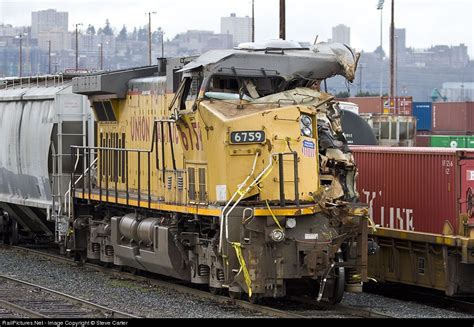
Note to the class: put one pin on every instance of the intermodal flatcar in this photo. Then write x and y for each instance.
(421, 201)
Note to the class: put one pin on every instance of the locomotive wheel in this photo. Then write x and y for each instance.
(255, 299)
(235, 295)
(339, 284)
(80, 258)
(215, 290)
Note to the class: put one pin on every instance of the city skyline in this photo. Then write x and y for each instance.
(423, 30)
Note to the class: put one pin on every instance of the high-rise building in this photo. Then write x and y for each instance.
(239, 27)
(401, 42)
(50, 20)
(341, 34)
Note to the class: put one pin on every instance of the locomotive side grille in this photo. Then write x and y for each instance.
(191, 184)
(202, 185)
(180, 183)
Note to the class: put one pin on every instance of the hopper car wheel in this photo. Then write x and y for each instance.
(215, 290)
(135, 271)
(14, 234)
(11, 233)
(339, 283)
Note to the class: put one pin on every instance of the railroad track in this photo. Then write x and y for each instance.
(430, 297)
(295, 307)
(35, 301)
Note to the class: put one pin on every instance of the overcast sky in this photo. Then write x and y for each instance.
(428, 22)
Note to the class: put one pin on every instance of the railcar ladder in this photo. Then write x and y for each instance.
(61, 176)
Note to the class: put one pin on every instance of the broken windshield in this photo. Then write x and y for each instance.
(251, 88)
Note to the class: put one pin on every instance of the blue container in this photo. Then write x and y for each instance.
(423, 112)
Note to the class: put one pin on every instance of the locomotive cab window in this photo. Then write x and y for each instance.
(253, 87)
(190, 91)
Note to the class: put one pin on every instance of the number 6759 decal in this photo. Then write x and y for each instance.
(247, 137)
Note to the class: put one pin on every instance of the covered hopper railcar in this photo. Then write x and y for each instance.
(40, 118)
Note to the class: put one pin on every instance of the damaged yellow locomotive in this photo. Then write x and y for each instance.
(228, 170)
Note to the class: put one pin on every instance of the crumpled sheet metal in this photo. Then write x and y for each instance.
(300, 95)
(344, 55)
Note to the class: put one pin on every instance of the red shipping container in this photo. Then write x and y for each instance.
(453, 117)
(367, 105)
(385, 105)
(416, 189)
(398, 105)
(422, 140)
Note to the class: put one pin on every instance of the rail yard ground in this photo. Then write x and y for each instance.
(150, 301)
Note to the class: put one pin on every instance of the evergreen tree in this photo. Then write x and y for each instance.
(107, 30)
(142, 34)
(157, 35)
(123, 34)
(134, 34)
(90, 30)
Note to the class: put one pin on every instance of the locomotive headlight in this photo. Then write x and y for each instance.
(306, 120)
(306, 124)
(277, 235)
(306, 131)
(290, 223)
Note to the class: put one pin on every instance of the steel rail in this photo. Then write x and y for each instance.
(340, 309)
(163, 284)
(109, 313)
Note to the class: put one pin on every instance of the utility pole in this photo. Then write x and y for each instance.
(360, 78)
(392, 52)
(77, 47)
(380, 7)
(253, 20)
(282, 20)
(162, 44)
(149, 36)
(49, 57)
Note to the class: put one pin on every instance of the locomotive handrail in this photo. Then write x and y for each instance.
(258, 179)
(86, 151)
(230, 201)
(68, 192)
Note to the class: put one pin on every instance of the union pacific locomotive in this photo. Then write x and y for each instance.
(228, 170)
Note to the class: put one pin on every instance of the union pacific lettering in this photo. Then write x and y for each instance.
(166, 133)
(140, 129)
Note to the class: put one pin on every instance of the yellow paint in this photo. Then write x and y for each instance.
(188, 209)
(425, 237)
(201, 143)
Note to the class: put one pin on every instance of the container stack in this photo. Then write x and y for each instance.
(444, 124)
(389, 117)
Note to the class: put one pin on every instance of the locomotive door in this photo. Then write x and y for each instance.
(466, 199)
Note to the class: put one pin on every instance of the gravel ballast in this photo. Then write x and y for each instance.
(151, 301)
(119, 294)
(397, 308)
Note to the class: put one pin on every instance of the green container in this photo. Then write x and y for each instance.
(446, 141)
(470, 141)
